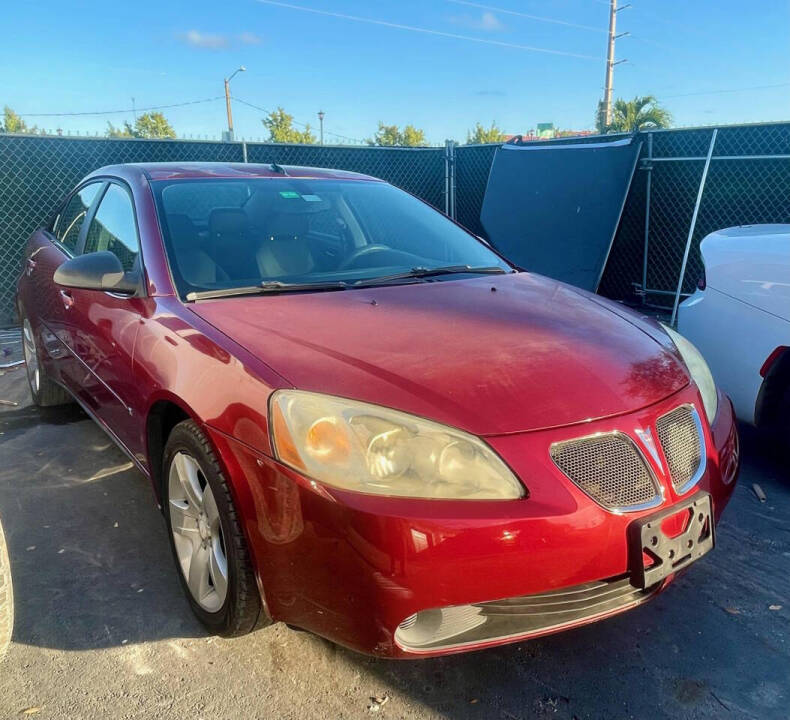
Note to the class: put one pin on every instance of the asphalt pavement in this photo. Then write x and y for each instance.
(102, 628)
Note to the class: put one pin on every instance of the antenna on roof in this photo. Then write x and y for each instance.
(279, 169)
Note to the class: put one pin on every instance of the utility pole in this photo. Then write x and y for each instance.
(321, 123)
(227, 102)
(227, 108)
(606, 110)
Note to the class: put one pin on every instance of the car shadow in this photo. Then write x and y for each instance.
(89, 555)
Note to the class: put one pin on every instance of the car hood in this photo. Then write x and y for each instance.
(490, 355)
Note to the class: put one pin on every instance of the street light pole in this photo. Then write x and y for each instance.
(321, 123)
(227, 101)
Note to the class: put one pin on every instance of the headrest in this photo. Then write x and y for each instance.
(227, 221)
(286, 224)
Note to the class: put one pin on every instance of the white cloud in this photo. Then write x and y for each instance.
(248, 38)
(488, 22)
(207, 41)
(216, 41)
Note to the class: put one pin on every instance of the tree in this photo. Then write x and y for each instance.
(153, 125)
(481, 135)
(13, 123)
(641, 113)
(127, 131)
(149, 125)
(281, 130)
(392, 136)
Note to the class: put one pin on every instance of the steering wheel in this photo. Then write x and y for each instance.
(362, 252)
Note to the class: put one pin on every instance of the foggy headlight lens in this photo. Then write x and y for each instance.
(367, 448)
(699, 370)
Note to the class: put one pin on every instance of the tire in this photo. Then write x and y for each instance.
(6, 598)
(44, 391)
(197, 502)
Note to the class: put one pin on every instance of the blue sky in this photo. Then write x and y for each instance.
(440, 64)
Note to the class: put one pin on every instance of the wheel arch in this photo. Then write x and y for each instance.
(163, 415)
(769, 408)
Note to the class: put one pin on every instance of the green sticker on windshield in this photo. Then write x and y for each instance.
(289, 194)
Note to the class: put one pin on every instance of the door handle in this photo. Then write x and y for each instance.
(31, 266)
(67, 299)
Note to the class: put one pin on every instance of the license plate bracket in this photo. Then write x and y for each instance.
(669, 554)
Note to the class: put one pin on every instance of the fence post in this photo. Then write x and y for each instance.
(449, 178)
(448, 151)
(453, 213)
(649, 169)
(244, 150)
(693, 226)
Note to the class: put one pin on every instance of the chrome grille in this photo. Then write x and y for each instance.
(680, 435)
(610, 469)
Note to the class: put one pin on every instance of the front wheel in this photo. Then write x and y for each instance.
(206, 537)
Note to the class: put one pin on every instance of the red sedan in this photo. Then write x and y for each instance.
(361, 420)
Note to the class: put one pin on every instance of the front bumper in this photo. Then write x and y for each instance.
(353, 567)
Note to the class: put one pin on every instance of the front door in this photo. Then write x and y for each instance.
(106, 325)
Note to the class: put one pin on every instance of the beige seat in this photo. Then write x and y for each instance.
(193, 263)
(284, 249)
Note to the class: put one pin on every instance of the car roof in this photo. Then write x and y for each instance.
(193, 170)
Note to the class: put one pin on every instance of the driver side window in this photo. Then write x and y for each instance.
(113, 227)
(73, 215)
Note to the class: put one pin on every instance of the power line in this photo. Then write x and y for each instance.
(729, 90)
(538, 18)
(426, 31)
(119, 112)
(297, 122)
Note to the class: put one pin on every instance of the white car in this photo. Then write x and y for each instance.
(739, 318)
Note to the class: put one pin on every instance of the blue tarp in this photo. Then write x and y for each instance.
(554, 209)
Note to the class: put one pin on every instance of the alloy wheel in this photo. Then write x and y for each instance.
(31, 356)
(197, 532)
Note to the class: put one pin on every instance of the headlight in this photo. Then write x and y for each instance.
(371, 449)
(700, 372)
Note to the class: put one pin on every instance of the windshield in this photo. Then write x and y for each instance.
(228, 233)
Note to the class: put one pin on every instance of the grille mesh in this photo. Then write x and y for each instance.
(608, 468)
(680, 441)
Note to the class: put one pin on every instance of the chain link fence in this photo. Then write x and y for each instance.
(748, 182)
(37, 172)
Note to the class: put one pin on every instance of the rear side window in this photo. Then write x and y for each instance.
(72, 216)
(113, 227)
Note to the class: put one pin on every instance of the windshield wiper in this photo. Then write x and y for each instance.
(422, 272)
(265, 288)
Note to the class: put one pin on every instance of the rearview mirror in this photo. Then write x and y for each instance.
(97, 271)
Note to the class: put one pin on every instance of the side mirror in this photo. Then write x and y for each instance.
(97, 271)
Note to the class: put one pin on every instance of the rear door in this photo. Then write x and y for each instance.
(43, 301)
(106, 324)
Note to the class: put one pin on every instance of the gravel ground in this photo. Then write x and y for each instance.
(102, 628)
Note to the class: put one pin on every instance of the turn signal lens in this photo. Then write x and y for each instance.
(372, 449)
(283, 442)
(327, 441)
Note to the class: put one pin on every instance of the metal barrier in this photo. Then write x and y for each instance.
(655, 256)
